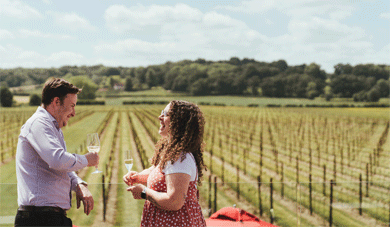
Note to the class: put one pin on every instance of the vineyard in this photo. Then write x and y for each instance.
(288, 166)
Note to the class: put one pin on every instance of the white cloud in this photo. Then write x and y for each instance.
(12, 56)
(179, 30)
(214, 19)
(385, 15)
(5, 34)
(319, 30)
(297, 8)
(72, 21)
(48, 2)
(65, 58)
(18, 9)
(29, 55)
(38, 34)
(133, 45)
(120, 18)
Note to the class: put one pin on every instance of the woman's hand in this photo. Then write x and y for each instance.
(131, 178)
(136, 190)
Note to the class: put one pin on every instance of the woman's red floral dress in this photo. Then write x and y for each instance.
(189, 215)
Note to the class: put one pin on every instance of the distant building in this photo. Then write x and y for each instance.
(118, 86)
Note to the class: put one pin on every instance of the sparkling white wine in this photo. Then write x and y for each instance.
(93, 148)
(129, 164)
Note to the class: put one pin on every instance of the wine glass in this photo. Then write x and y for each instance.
(128, 160)
(93, 145)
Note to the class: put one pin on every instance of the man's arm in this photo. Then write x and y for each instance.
(82, 192)
(47, 144)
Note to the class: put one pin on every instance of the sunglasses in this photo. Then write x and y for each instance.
(165, 113)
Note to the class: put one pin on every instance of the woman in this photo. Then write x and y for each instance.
(170, 185)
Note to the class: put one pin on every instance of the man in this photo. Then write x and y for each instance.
(44, 168)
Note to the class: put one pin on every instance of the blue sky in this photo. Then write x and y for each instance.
(48, 33)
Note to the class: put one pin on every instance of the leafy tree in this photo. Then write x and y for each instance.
(112, 71)
(328, 94)
(281, 65)
(298, 69)
(200, 61)
(88, 86)
(373, 95)
(235, 61)
(254, 83)
(342, 69)
(128, 84)
(311, 90)
(170, 77)
(315, 71)
(35, 100)
(251, 71)
(383, 86)
(346, 85)
(273, 87)
(180, 84)
(140, 74)
(6, 97)
(150, 78)
(360, 96)
(200, 87)
(371, 70)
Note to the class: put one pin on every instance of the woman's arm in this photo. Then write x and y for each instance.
(173, 199)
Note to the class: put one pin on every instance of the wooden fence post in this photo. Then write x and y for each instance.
(223, 169)
(238, 183)
(297, 169)
(367, 179)
(271, 201)
(324, 182)
(311, 195)
(104, 199)
(210, 212)
(215, 194)
(259, 191)
(331, 203)
(360, 195)
(282, 181)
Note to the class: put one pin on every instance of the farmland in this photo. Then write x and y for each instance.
(321, 165)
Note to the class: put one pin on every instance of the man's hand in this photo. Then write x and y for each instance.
(83, 194)
(93, 158)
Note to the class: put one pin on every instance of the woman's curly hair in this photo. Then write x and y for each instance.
(186, 131)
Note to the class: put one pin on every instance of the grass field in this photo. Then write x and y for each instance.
(242, 143)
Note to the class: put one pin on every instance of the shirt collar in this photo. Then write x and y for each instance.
(51, 118)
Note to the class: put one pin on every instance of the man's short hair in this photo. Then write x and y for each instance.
(57, 87)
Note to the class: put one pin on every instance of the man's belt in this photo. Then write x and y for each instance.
(42, 209)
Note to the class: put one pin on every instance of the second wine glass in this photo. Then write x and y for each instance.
(128, 160)
(93, 145)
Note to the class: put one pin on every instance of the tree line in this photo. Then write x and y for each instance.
(362, 82)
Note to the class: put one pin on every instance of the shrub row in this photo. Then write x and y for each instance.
(145, 102)
(90, 102)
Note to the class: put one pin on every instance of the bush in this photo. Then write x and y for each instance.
(35, 100)
(144, 102)
(6, 97)
(90, 102)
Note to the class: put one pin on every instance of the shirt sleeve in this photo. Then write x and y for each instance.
(47, 144)
(187, 166)
(75, 180)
